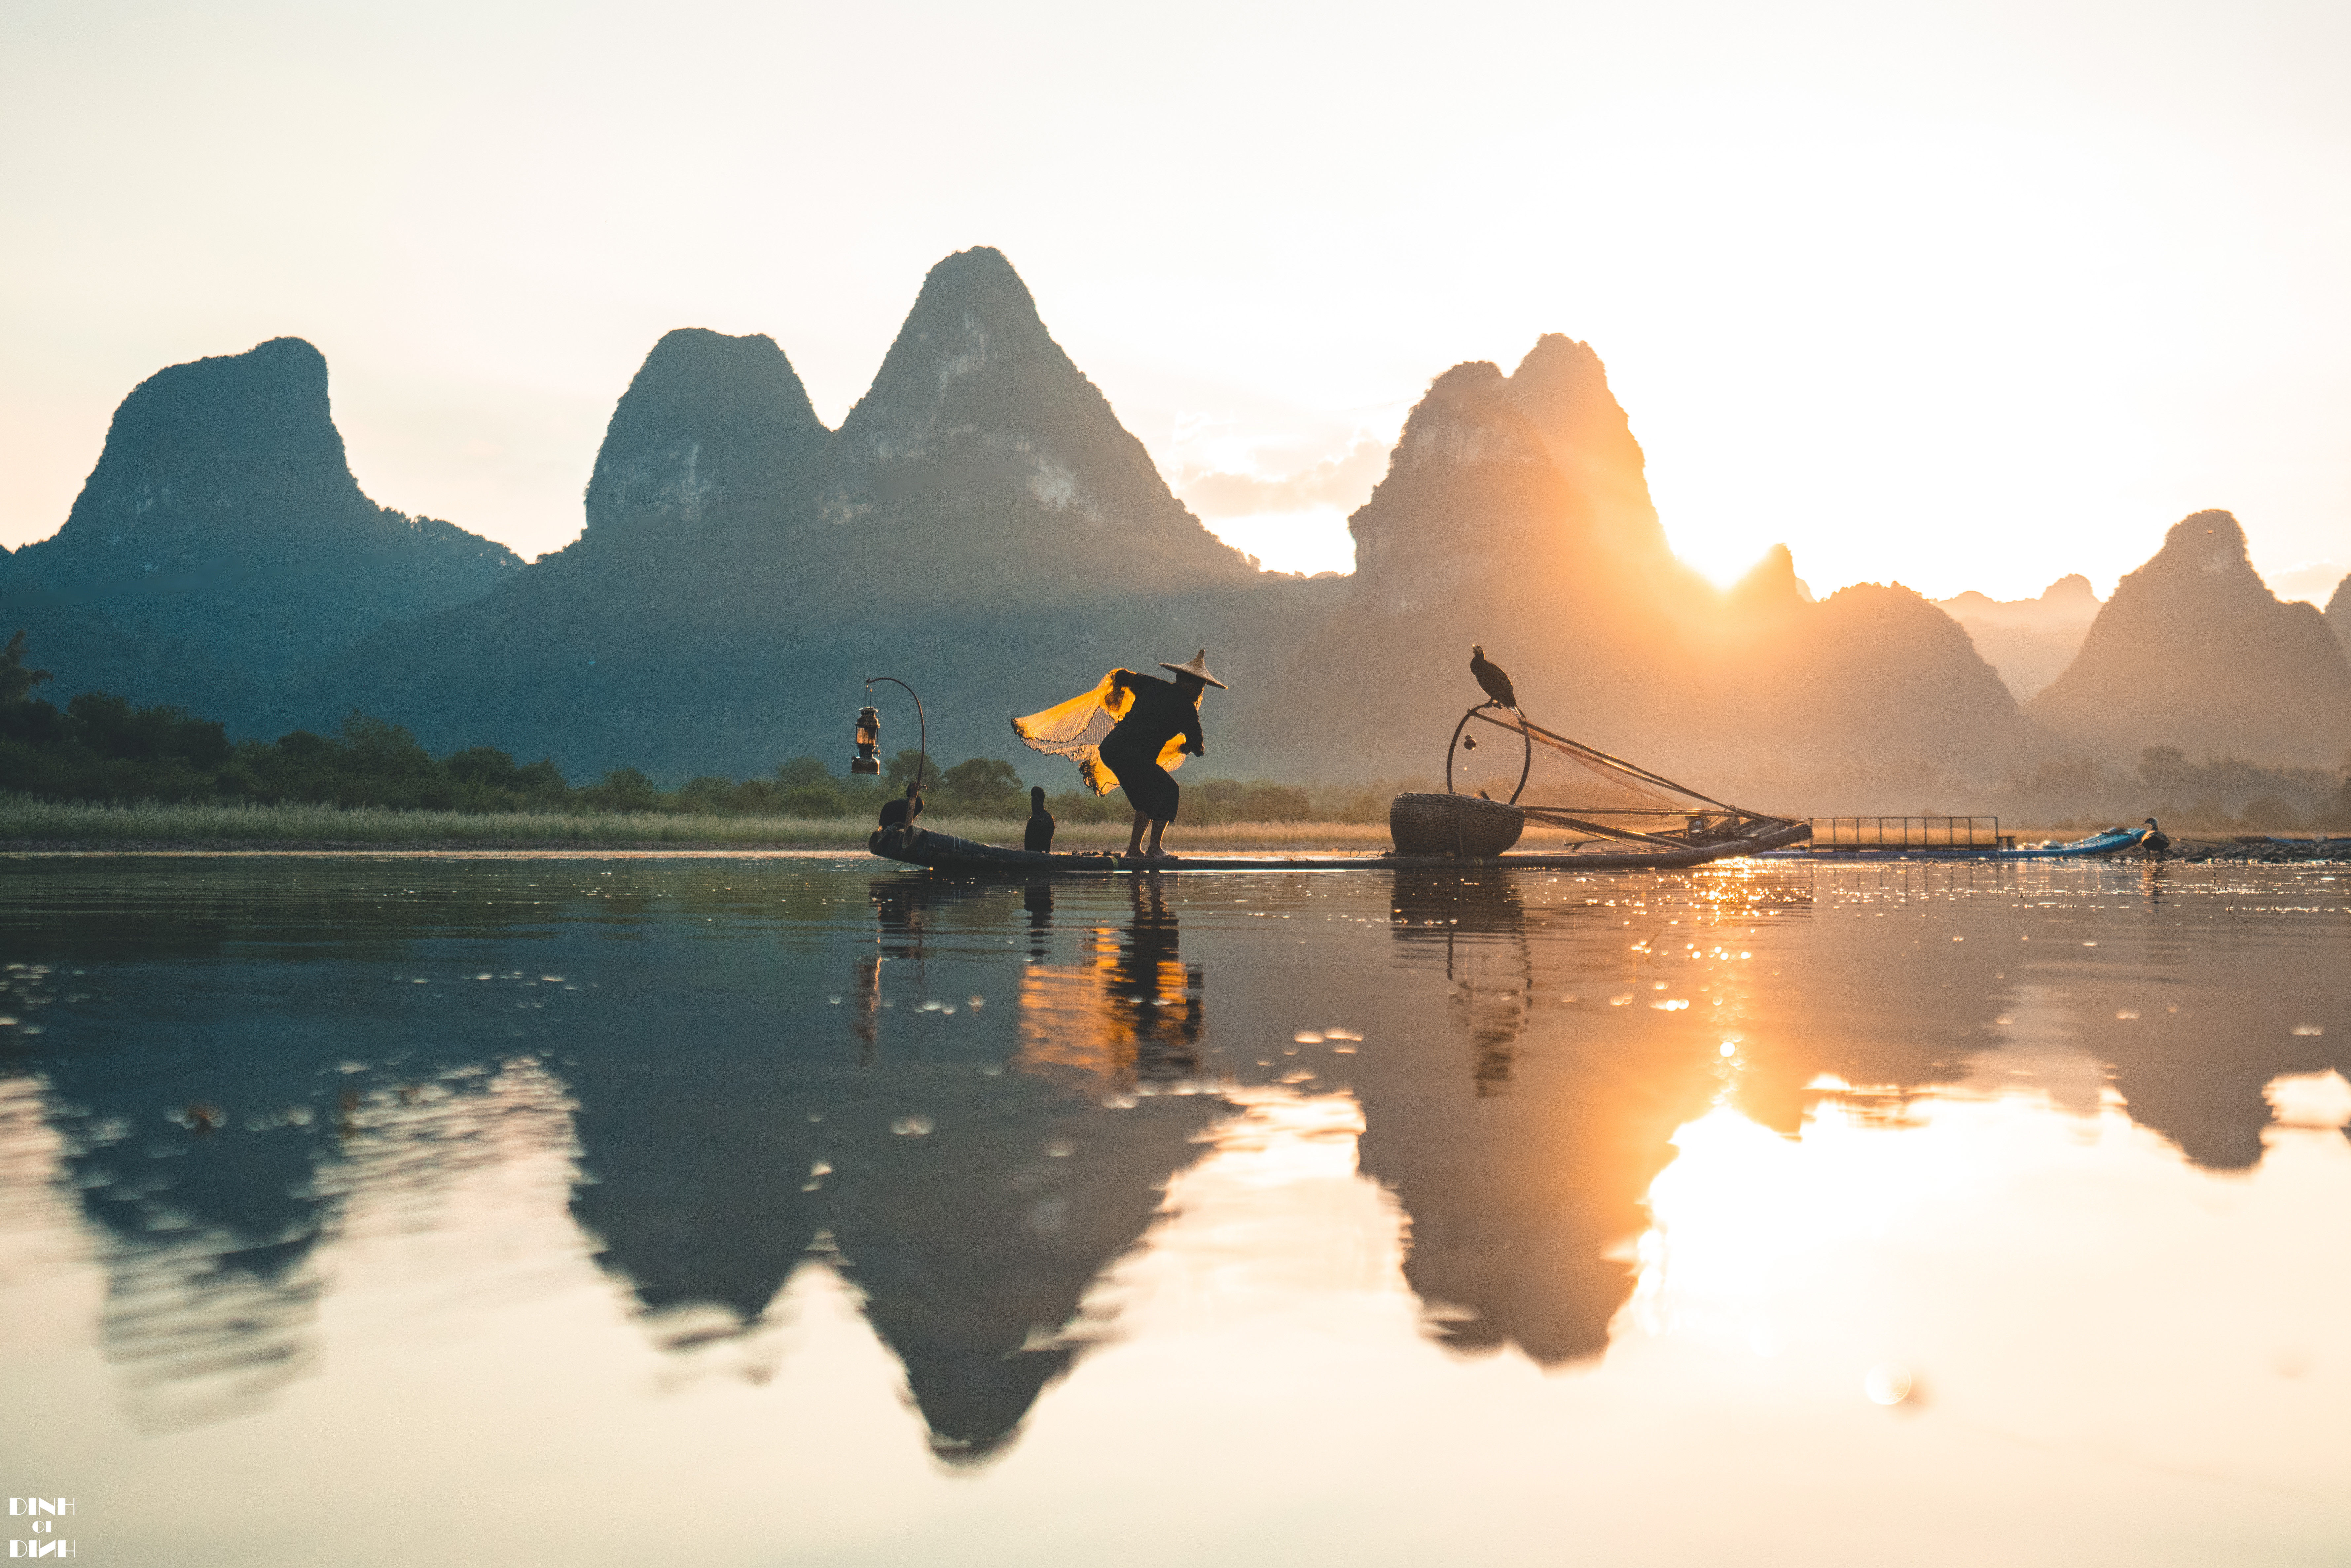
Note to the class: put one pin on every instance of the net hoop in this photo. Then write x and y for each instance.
(1624, 789)
(1526, 763)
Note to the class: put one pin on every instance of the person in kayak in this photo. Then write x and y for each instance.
(1162, 710)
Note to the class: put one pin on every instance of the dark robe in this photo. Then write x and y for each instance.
(1161, 712)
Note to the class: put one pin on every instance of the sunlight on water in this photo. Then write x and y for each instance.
(805, 1211)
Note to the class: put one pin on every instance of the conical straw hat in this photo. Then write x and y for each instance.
(1198, 666)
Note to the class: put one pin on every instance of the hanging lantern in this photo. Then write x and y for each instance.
(869, 737)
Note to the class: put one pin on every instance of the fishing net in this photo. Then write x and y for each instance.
(1501, 756)
(1076, 729)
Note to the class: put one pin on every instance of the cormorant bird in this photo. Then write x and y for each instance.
(1038, 836)
(1491, 676)
(901, 813)
(2154, 841)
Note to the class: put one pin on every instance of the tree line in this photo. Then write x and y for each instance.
(98, 747)
(2211, 794)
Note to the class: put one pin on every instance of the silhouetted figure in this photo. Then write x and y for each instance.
(1491, 678)
(2154, 842)
(901, 813)
(1160, 710)
(1039, 838)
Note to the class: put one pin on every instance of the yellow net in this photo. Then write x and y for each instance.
(1076, 729)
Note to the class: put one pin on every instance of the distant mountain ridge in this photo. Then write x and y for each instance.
(222, 531)
(2029, 640)
(982, 525)
(2194, 652)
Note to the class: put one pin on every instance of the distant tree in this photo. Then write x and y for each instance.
(623, 789)
(1085, 806)
(17, 682)
(802, 771)
(377, 749)
(488, 780)
(1230, 801)
(711, 796)
(2269, 812)
(814, 802)
(483, 765)
(899, 771)
(981, 787)
(110, 726)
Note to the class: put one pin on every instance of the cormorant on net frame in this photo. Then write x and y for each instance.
(1492, 678)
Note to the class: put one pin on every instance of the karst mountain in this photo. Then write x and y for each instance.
(982, 525)
(2194, 652)
(2028, 641)
(1515, 514)
(220, 543)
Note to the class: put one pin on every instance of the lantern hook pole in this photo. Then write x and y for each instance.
(923, 726)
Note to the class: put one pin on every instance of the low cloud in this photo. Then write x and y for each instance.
(1344, 481)
(2312, 581)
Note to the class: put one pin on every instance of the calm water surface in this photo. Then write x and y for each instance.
(784, 1210)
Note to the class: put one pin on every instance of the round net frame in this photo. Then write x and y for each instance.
(1500, 754)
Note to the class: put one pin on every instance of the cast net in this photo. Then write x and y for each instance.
(1501, 756)
(1076, 729)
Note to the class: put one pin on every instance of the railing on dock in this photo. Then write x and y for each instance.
(1908, 833)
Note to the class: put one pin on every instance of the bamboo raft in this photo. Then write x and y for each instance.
(944, 852)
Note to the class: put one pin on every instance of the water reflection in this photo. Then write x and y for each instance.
(969, 1099)
(1126, 1013)
(972, 1207)
(1489, 983)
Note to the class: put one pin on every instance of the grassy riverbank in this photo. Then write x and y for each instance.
(27, 823)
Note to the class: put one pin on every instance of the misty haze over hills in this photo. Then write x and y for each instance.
(2028, 641)
(983, 526)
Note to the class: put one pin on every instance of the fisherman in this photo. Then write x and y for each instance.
(1129, 732)
(1162, 710)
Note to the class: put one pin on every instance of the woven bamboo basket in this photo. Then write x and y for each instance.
(1464, 825)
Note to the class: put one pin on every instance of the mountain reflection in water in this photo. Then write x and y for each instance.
(968, 1101)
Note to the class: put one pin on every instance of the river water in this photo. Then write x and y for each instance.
(791, 1209)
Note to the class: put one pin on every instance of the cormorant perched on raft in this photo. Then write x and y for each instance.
(2154, 841)
(1492, 678)
(1039, 838)
(901, 813)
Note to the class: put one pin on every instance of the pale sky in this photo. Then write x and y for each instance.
(1965, 295)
